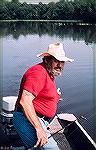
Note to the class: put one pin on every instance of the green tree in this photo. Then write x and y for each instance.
(2, 1)
(63, 10)
(4, 13)
(15, 1)
(42, 9)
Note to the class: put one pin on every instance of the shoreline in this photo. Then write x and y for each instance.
(64, 22)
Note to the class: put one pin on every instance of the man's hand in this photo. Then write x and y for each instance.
(42, 137)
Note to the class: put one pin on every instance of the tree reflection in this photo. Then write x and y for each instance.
(77, 32)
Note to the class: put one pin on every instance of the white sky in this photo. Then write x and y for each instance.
(36, 1)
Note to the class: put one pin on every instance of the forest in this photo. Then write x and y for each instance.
(83, 10)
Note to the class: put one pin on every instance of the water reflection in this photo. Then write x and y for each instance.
(86, 33)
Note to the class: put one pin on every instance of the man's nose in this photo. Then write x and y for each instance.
(60, 65)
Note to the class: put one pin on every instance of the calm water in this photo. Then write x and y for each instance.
(19, 44)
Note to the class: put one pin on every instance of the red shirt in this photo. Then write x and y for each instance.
(37, 81)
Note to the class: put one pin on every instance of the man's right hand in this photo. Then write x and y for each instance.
(42, 137)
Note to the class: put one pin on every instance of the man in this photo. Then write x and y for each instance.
(38, 98)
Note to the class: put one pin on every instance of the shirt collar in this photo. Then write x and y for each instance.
(52, 77)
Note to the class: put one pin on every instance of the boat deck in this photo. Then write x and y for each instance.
(62, 142)
(59, 136)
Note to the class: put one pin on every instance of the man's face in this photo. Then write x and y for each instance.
(56, 67)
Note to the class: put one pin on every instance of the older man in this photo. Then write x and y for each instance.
(38, 98)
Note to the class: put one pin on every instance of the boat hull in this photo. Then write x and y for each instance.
(77, 137)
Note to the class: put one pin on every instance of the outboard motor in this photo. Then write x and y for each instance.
(9, 139)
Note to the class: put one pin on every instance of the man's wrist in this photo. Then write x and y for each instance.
(38, 128)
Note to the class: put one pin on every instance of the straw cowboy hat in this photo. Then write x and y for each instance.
(57, 51)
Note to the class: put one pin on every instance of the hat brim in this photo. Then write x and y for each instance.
(61, 58)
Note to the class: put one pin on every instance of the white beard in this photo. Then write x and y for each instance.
(56, 72)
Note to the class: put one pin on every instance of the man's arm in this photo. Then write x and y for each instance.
(27, 105)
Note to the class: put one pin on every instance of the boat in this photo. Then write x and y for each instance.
(75, 134)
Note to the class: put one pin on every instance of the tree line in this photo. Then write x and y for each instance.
(84, 10)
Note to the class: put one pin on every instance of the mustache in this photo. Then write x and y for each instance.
(59, 68)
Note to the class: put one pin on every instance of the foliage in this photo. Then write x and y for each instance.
(15, 1)
(84, 10)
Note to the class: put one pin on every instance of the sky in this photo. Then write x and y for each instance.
(36, 1)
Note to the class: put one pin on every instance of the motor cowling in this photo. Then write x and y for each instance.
(7, 130)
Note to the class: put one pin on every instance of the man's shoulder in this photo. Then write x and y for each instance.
(36, 68)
